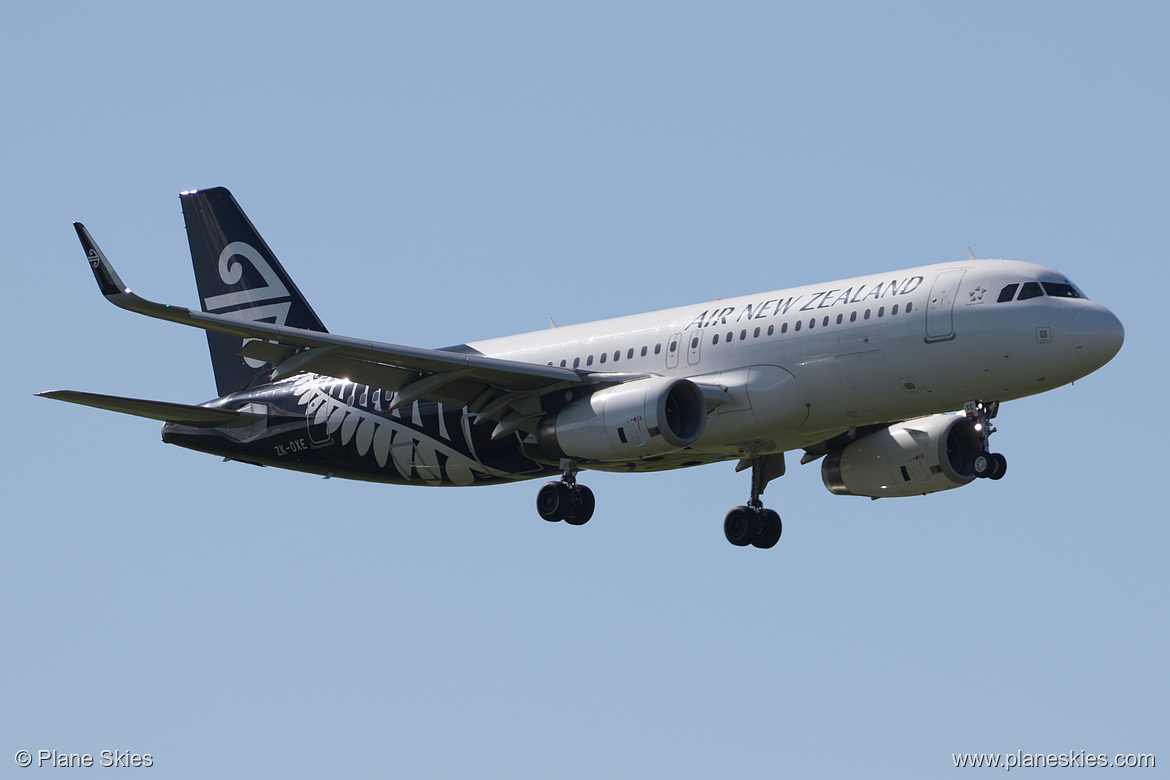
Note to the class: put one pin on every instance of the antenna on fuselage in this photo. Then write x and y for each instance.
(971, 254)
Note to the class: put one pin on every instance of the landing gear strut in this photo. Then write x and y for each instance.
(753, 524)
(566, 500)
(986, 464)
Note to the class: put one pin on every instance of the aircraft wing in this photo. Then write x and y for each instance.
(504, 390)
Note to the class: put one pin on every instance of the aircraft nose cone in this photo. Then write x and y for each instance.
(1097, 335)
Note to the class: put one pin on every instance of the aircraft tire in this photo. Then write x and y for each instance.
(770, 531)
(741, 526)
(984, 464)
(1000, 466)
(554, 501)
(583, 505)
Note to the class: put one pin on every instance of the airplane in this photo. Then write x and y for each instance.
(891, 379)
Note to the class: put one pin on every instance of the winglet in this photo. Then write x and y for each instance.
(116, 291)
(107, 278)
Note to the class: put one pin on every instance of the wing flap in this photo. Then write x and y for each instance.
(198, 416)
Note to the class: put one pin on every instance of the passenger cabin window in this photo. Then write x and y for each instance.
(1030, 290)
(603, 356)
(630, 354)
(644, 349)
(657, 349)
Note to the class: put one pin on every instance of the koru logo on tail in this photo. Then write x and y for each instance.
(270, 302)
(231, 273)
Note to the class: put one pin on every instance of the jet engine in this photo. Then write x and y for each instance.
(631, 420)
(910, 458)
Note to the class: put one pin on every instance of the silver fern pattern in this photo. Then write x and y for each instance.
(355, 415)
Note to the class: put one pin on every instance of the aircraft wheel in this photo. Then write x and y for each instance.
(741, 526)
(770, 531)
(583, 506)
(983, 465)
(554, 501)
(1000, 466)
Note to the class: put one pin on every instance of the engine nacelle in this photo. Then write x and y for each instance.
(631, 420)
(912, 458)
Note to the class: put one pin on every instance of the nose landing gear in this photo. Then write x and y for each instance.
(986, 464)
(566, 500)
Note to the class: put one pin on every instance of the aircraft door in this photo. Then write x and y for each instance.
(940, 322)
(694, 347)
(317, 414)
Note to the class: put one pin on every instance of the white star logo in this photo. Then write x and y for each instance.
(977, 294)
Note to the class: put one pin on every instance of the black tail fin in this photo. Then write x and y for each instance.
(238, 276)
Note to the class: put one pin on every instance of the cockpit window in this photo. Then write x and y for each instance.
(1061, 290)
(1030, 290)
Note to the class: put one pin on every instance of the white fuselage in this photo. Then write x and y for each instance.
(803, 364)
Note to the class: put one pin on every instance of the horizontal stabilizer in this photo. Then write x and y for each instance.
(198, 416)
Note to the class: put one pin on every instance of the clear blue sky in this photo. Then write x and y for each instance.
(436, 173)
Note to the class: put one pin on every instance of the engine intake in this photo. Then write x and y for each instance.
(631, 420)
(912, 458)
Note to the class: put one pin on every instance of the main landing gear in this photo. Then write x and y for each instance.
(753, 524)
(986, 464)
(566, 500)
